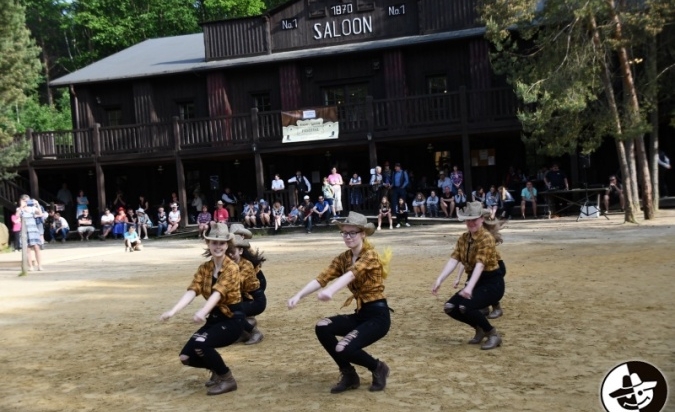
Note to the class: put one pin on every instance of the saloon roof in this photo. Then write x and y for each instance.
(181, 54)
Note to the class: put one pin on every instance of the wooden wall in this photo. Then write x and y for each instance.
(447, 15)
(238, 37)
(450, 59)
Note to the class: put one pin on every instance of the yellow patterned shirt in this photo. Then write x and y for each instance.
(249, 279)
(368, 284)
(479, 248)
(228, 283)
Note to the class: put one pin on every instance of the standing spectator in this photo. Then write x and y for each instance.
(399, 184)
(443, 181)
(66, 198)
(16, 229)
(28, 214)
(302, 185)
(328, 195)
(204, 218)
(131, 240)
(386, 179)
(335, 180)
(174, 199)
(384, 211)
(457, 178)
(528, 195)
(362, 270)
(278, 186)
(492, 202)
(306, 209)
(447, 202)
(196, 206)
(376, 182)
(251, 214)
(664, 162)
(221, 215)
(355, 192)
(432, 204)
(119, 200)
(556, 179)
(173, 219)
(418, 204)
(143, 203)
(82, 203)
(402, 213)
(143, 223)
(60, 227)
(322, 210)
(230, 201)
(506, 202)
(162, 222)
(85, 225)
(614, 193)
(107, 222)
(459, 200)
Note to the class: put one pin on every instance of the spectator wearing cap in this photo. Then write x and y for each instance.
(306, 209)
(142, 222)
(220, 215)
(173, 219)
(162, 224)
(444, 181)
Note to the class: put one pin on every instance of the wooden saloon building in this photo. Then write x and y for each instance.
(408, 81)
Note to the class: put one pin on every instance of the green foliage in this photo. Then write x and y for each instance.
(42, 117)
(227, 9)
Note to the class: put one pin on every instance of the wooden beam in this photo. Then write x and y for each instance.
(466, 147)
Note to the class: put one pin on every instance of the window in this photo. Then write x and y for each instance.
(437, 84)
(186, 110)
(113, 116)
(350, 100)
(262, 102)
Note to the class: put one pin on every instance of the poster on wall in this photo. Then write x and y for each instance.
(311, 124)
(483, 157)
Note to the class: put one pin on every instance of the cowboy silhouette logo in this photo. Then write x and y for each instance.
(634, 386)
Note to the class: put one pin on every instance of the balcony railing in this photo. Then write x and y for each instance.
(447, 112)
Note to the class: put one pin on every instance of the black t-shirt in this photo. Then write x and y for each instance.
(556, 179)
(80, 224)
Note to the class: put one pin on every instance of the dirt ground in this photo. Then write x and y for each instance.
(582, 297)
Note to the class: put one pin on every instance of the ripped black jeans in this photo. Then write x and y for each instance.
(360, 329)
(488, 291)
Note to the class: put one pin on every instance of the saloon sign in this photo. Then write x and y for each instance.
(309, 125)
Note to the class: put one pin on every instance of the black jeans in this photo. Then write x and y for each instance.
(488, 291)
(254, 307)
(219, 331)
(360, 329)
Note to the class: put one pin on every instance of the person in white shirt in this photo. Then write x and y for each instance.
(60, 227)
(174, 219)
(277, 183)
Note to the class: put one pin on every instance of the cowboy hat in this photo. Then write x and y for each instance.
(472, 210)
(239, 229)
(140, 210)
(218, 231)
(632, 383)
(358, 220)
(220, 202)
(239, 241)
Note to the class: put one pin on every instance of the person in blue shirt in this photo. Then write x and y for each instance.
(322, 210)
(131, 240)
(399, 184)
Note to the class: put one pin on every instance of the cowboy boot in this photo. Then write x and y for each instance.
(212, 380)
(478, 337)
(485, 311)
(256, 337)
(224, 383)
(496, 312)
(380, 375)
(245, 336)
(252, 321)
(493, 341)
(349, 379)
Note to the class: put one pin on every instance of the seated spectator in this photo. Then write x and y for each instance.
(492, 202)
(506, 202)
(528, 195)
(459, 199)
(306, 209)
(85, 226)
(221, 214)
(447, 202)
(48, 225)
(613, 194)
(203, 220)
(143, 222)
(162, 222)
(195, 206)
(250, 214)
(432, 204)
(443, 181)
(132, 219)
(278, 215)
(120, 223)
(555, 179)
(173, 219)
(230, 201)
(478, 195)
(384, 211)
(60, 227)
(107, 221)
(322, 210)
(131, 240)
(264, 213)
(293, 216)
(402, 213)
(418, 204)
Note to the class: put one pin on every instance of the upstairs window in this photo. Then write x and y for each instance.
(437, 84)
(345, 94)
(262, 102)
(186, 110)
(113, 116)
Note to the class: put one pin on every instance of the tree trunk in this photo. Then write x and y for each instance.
(632, 170)
(651, 71)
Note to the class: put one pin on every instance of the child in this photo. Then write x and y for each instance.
(16, 229)
(162, 223)
(402, 213)
(385, 211)
(432, 204)
(418, 205)
(219, 282)
(131, 240)
(292, 217)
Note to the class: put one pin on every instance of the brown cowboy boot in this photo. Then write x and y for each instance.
(478, 337)
(349, 379)
(493, 341)
(496, 312)
(380, 375)
(224, 383)
(212, 380)
(256, 337)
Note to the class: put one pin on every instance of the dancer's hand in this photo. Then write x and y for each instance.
(166, 316)
(199, 317)
(324, 296)
(455, 284)
(466, 293)
(293, 302)
(435, 287)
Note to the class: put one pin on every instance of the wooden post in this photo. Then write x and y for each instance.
(370, 122)
(176, 134)
(466, 147)
(32, 174)
(259, 169)
(100, 187)
(96, 140)
(182, 192)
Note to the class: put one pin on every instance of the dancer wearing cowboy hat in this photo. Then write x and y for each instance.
(253, 284)
(219, 282)
(363, 271)
(477, 251)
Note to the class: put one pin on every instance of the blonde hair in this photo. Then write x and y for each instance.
(384, 257)
(494, 227)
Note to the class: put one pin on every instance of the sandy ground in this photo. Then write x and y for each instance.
(581, 298)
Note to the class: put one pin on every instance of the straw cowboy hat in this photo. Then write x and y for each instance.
(140, 210)
(239, 229)
(472, 210)
(239, 241)
(218, 231)
(358, 220)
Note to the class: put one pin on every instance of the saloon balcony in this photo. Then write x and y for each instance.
(470, 112)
